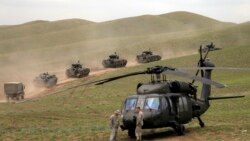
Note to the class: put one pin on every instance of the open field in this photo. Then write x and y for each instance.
(82, 113)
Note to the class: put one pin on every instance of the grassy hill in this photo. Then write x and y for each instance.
(82, 113)
(39, 27)
(40, 46)
(44, 34)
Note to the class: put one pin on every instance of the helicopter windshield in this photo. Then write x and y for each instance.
(130, 104)
(152, 103)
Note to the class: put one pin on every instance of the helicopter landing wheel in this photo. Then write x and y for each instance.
(202, 124)
(131, 133)
(180, 129)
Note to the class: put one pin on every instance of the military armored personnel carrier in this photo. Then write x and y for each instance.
(114, 61)
(45, 80)
(14, 90)
(147, 56)
(77, 71)
(209, 47)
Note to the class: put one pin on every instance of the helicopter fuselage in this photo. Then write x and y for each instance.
(164, 104)
(160, 110)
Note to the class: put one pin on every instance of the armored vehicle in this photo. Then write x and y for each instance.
(77, 71)
(14, 90)
(209, 47)
(147, 56)
(114, 61)
(45, 80)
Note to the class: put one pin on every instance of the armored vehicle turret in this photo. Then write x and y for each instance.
(14, 90)
(114, 62)
(77, 71)
(45, 80)
(147, 56)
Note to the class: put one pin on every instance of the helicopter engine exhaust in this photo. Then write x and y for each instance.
(180, 87)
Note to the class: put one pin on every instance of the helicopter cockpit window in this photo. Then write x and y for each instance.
(130, 104)
(152, 103)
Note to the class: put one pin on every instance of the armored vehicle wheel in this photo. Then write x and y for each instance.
(51, 84)
(69, 73)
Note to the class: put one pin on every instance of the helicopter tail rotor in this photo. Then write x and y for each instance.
(202, 60)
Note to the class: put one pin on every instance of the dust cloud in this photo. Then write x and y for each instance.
(54, 53)
(25, 66)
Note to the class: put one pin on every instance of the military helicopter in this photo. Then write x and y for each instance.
(167, 103)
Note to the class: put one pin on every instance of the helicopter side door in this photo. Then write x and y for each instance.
(182, 108)
(165, 111)
(152, 108)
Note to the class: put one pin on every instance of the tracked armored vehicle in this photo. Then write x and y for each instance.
(147, 56)
(209, 47)
(14, 90)
(77, 71)
(45, 80)
(114, 62)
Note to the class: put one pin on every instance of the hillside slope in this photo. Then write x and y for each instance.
(42, 46)
(39, 27)
(51, 33)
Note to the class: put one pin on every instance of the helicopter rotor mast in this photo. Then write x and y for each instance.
(201, 62)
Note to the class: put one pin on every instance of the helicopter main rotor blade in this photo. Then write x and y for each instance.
(213, 68)
(186, 75)
(99, 82)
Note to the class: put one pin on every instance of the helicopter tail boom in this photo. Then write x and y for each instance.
(206, 89)
(225, 97)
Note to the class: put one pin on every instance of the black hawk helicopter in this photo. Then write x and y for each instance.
(167, 103)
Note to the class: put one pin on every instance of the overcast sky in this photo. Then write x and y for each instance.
(20, 11)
